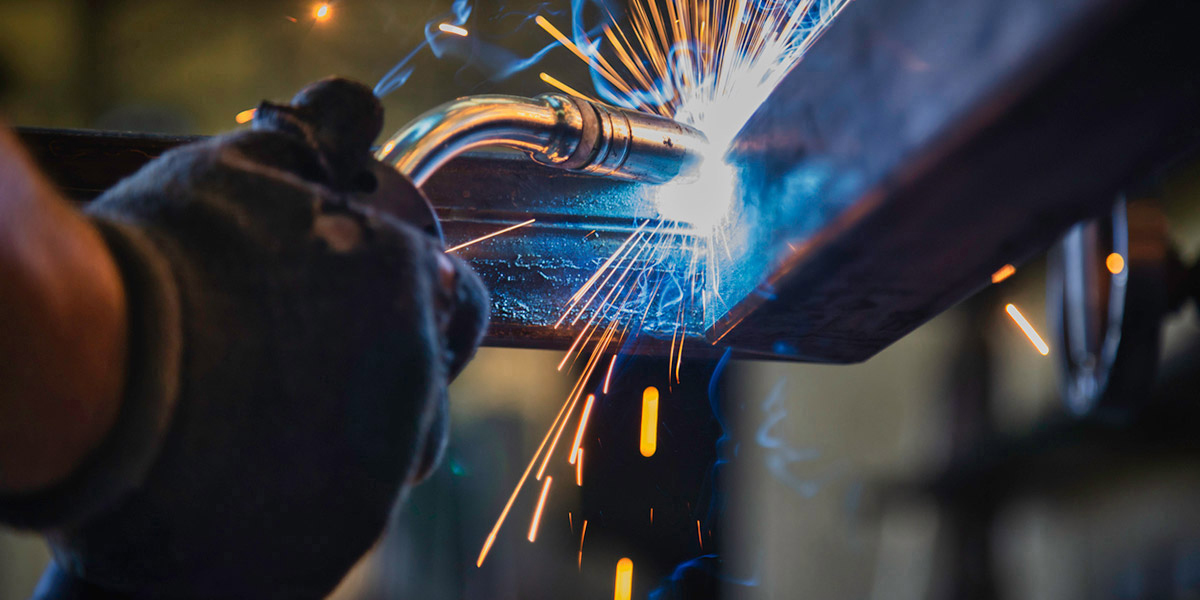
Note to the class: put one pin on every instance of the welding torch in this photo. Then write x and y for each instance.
(557, 130)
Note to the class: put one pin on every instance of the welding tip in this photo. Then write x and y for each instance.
(557, 130)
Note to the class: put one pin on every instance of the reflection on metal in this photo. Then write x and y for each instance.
(557, 130)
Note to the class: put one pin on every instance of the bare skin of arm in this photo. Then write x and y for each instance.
(62, 330)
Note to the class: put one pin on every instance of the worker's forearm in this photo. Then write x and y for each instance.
(63, 340)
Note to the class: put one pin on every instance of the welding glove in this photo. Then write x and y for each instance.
(291, 352)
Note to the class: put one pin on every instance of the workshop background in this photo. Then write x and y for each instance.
(802, 512)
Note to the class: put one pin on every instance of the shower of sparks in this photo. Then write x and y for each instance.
(649, 437)
(537, 513)
(322, 12)
(623, 582)
(1030, 332)
(452, 29)
(490, 235)
(245, 116)
(707, 63)
(1003, 273)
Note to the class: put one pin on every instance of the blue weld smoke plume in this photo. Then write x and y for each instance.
(780, 455)
(494, 61)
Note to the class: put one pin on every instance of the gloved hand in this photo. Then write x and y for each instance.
(291, 349)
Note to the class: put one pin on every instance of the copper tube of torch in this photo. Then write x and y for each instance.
(557, 130)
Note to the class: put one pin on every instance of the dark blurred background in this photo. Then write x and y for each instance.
(795, 512)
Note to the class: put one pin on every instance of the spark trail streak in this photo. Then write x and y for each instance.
(490, 236)
(537, 514)
(1030, 332)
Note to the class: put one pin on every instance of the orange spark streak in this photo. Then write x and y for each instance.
(651, 515)
(537, 514)
(550, 79)
(608, 377)
(491, 538)
(623, 584)
(452, 29)
(577, 393)
(649, 441)
(581, 536)
(579, 467)
(579, 294)
(570, 521)
(1004, 273)
(1030, 332)
(587, 411)
(699, 538)
(245, 116)
(490, 235)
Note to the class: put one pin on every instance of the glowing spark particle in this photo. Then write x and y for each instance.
(245, 116)
(1030, 332)
(537, 513)
(490, 235)
(623, 585)
(579, 467)
(550, 79)
(1004, 273)
(387, 148)
(582, 535)
(1115, 263)
(651, 515)
(699, 536)
(570, 521)
(608, 376)
(452, 29)
(322, 12)
(587, 411)
(649, 441)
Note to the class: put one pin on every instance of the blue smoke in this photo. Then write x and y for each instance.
(494, 61)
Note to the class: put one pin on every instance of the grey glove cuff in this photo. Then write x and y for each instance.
(122, 460)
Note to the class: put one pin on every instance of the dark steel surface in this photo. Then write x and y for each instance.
(922, 144)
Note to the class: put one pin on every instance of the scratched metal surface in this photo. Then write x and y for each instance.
(532, 272)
